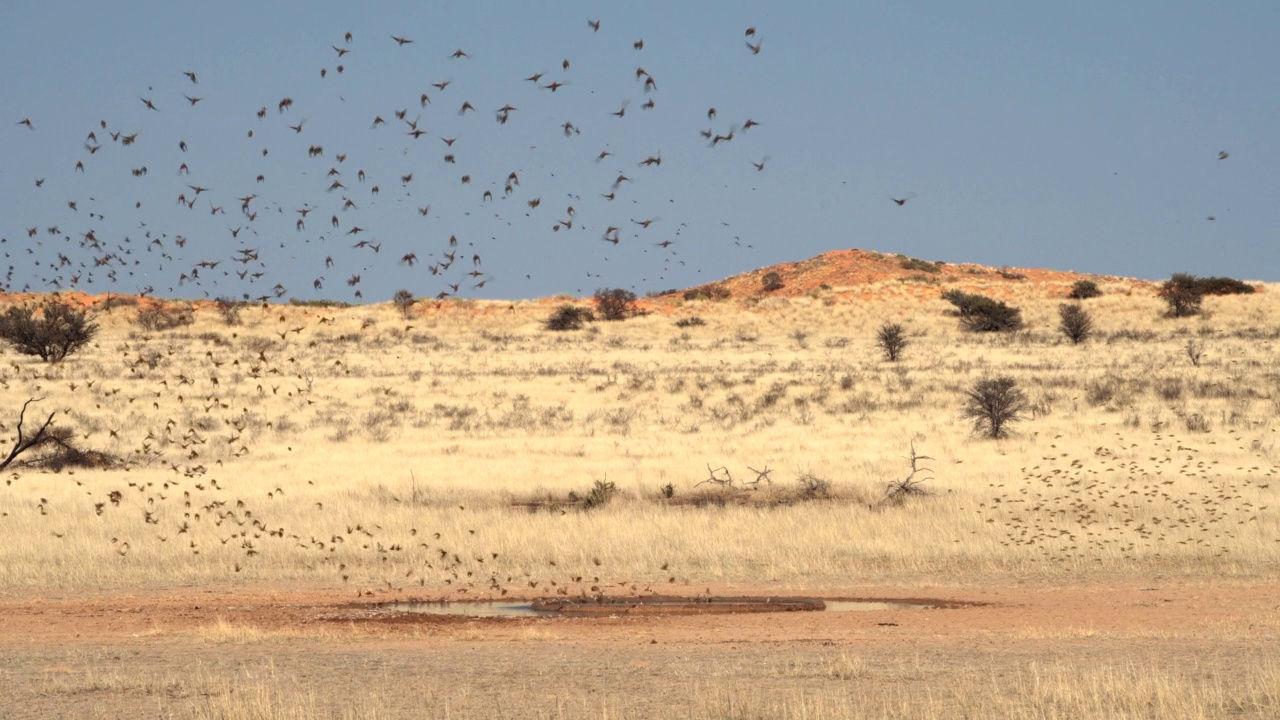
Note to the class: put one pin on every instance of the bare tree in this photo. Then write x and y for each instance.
(25, 443)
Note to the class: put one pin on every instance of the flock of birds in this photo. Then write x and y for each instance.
(305, 201)
(209, 408)
(1127, 500)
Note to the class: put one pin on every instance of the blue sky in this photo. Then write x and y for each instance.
(1081, 136)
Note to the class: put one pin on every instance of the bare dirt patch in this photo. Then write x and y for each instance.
(114, 655)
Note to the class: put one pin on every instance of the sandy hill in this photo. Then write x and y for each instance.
(863, 273)
(848, 274)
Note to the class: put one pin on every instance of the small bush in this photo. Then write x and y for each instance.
(598, 496)
(915, 265)
(983, 314)
(615, 304)
(1075, 322)
(771, 281)
(59, 330)
(994, 404)
(891, 338)
(707, 292)
(1195, 351)
(229, 309)
(1084, 289)
(569, 317)
(160, 317)
(403, 301)
(688, 322)
(1182, 294)
(319, 303)
(115, 301)
(1224, 286)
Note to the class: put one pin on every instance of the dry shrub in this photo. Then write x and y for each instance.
(57, 331)
(162, 317)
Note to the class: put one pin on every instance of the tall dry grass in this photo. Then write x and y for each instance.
(831, 684)
(355, 448)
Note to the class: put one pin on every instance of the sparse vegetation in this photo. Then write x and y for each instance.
(993, 404)
(1075, 322)
(51, 330)
(916, 265)
(714, 291)
(164, 317)
(913, 483)
(771, 281)
(691, 321)
(319, 303)
(1195, 351)
(229, 310)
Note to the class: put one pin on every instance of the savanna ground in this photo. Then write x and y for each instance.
(280, 478)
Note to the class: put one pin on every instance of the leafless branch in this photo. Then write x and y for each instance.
(23, 443)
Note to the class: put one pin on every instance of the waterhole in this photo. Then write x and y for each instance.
(655, 605)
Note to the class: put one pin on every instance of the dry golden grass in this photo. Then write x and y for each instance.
(378, 453)
(845, 684)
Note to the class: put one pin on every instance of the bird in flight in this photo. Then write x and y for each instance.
(400, 40)
(901, 202)
(594, 25)
(1224, 155)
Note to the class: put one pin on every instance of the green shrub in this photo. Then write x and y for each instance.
(1182, 294)
(979, 313)
(1084, 289)
(1223, 286)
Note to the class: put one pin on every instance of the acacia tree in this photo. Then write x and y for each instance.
(994, 404)
(615, 304)
(1183, 294)
(54, 332)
